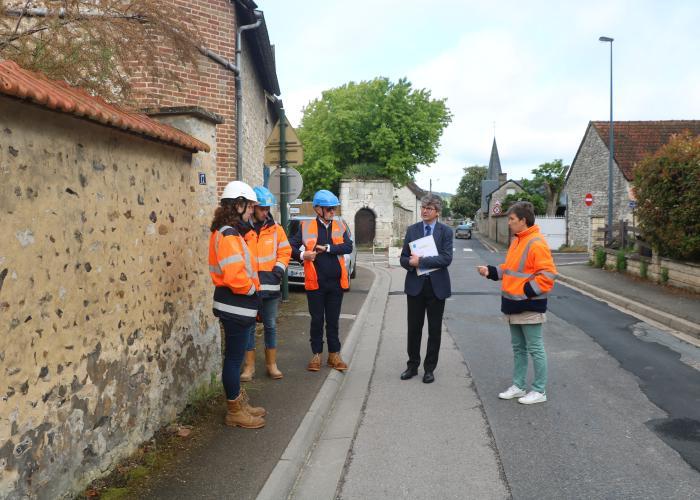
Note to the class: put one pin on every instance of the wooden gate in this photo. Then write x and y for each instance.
(365, 226)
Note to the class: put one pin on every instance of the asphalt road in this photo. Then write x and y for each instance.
(623, 416)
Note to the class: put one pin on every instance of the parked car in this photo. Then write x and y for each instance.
(464, 231)
(295, 272)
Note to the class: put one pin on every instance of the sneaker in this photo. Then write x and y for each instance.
(512, 392)
(533, 397)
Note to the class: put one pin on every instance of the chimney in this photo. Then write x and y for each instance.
(502, 178)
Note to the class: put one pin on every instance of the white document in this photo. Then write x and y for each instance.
(424, 247)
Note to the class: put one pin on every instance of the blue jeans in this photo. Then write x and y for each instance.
(269, 317)
(527, 339)
(236, 337)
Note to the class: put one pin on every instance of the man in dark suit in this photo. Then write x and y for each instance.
(426, 293)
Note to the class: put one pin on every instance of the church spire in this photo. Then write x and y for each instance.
(494, 163)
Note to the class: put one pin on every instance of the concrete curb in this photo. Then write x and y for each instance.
(664, 318)
(283, 477)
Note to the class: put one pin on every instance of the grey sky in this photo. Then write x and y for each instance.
(534, 68)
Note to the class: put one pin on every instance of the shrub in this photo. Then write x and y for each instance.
(667, 186)
(621, 261)
(664, 275)
(643, 269)
(600, 257)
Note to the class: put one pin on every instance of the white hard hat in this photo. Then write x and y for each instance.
(238, 189)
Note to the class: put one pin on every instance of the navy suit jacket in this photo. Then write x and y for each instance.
(440, 278)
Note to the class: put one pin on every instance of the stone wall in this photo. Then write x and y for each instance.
(104, 292)
(408, 200)
(589, 174)
(378, 196)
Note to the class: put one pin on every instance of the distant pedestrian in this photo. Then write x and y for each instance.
(272, 253)
(325, 240)
(527, 276)
(426, 294)
(233, 271)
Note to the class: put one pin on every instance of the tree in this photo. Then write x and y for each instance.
(98, 45)
(446, 209)
(377, 122)
(550, 176)
(537, 200)
(467, 200)
(667, 187)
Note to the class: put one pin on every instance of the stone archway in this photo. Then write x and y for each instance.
(365, 226)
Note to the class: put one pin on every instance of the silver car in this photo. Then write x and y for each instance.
(295, 272)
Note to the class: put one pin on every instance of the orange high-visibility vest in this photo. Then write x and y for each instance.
(233, 271)
(309, 235)
(528, 261)
(272, 251)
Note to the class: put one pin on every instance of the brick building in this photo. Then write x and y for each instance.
(211, 91)
(634, 140)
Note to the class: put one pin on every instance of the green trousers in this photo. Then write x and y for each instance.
(527, 339)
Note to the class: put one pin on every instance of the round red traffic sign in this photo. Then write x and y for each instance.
(588, 199)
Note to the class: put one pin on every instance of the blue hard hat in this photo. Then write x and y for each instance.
(265, 197)
(325, 198)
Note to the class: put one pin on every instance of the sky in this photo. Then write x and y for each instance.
(532, 72)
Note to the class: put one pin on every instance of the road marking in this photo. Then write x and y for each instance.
(468, 249)
(342, 316)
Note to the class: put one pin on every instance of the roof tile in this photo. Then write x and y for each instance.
(59, 96)
(635, 140)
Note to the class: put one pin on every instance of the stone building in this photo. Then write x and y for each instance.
(634, 140)
(377, 212)
(212, 90)
(105, 296)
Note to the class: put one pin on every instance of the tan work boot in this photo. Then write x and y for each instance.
(315, 363)
(335, 361)
(236, 416)
(248, 366)
(271, 363)
(256, 411)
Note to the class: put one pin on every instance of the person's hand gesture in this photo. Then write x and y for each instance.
(414, 260)
(320, 248)
(309, 256)
(482, 270)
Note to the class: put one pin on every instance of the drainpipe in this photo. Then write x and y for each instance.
(239, 94)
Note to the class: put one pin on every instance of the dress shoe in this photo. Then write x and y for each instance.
(428, 378)
(409, 373)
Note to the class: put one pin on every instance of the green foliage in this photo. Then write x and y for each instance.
(600, 257)
(374, 122)
(363, 171)
(667, 186)
(643, 269)
(621, 261)
(550, 178)
(664, 275)
(537, 201)
(467, 200)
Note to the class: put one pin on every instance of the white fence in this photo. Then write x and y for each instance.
(553, 229)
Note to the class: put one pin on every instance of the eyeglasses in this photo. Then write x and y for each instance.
(329, 209)
(427, 208)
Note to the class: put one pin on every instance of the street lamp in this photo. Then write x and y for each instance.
(606, 39)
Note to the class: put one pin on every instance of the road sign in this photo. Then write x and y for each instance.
(295, 151)
(588, 199)
(294, 210)
(496, 207)
(296, 184)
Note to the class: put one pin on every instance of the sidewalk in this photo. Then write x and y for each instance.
(670, 308)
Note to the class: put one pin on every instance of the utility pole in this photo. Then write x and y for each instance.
(284, 192)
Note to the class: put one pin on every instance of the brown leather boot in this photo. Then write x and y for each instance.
(315, 363)
(236, 416)
(335, 361)
(248, 366)
(271, 363)
(256, 411)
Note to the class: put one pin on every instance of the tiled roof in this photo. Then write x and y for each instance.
(416, 190)
(59, 96)
(635, 140)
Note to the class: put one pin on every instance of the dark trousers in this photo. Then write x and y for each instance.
(418, 306)
(324, 303)
(236, 335)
